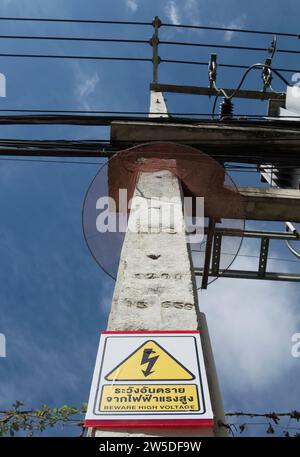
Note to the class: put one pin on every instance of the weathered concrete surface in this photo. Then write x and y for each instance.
(155, 286)
(158, 107)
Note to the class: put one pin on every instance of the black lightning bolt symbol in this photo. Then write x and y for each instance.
(151, 361)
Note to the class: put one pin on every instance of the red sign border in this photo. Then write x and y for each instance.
(134, 423)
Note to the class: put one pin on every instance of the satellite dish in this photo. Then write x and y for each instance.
(105, 215)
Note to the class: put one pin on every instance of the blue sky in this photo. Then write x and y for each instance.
(54, 299)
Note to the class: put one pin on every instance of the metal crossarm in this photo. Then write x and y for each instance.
(261, 272)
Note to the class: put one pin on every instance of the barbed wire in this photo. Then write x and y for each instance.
(31, 420)
(271, 424)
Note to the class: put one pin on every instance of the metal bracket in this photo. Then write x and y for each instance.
(216, 256)
(209, 241)
(263, 257)
(267, 75)
(260, 273)
(212, 70)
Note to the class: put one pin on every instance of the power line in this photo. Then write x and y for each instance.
(255, 66)
(231, 29)
(48, 117)
(133, 59)
(57, 56)
(27, 145)
(183, 140)
(108, 40)
(146, 113)
(244, 67)
(274, 416)
(254, 167)
(146, 23)
(139, 41)
(226, 46)
(69, 162)
(230, 170)
(94, 144)
(74, 21)
(104, 149)
(97, 163)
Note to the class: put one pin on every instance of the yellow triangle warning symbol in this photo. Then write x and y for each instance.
(150, 362)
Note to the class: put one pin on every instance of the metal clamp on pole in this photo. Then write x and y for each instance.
(212, 71)
(273, 48)
(154, 42)
(267, 75)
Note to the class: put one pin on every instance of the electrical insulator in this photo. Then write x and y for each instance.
(226, 109)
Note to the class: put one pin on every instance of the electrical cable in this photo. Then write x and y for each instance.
(291, 229)
(140, 59)
(146, 113)
(107, 149)
(251, 67)
(52, 38)
(225, 46)
(251, 121)
(292, 249)
(260, 66)
(73, 21)
(214, 107)
(57, 56)
(13, 159)
(243, 67)
(230, 29)
(165, 24)
(139, 41)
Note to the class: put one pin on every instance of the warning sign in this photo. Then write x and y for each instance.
(160, 397)
(156, 378)
(150, 361)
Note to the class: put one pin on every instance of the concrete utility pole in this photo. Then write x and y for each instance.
(155, 287)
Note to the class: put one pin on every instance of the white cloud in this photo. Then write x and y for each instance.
(88, 86)
(251, 324)
(132, 5)
(191, 9)
(172, 12)
(85, 85)
(183, 12)
(237, 23)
